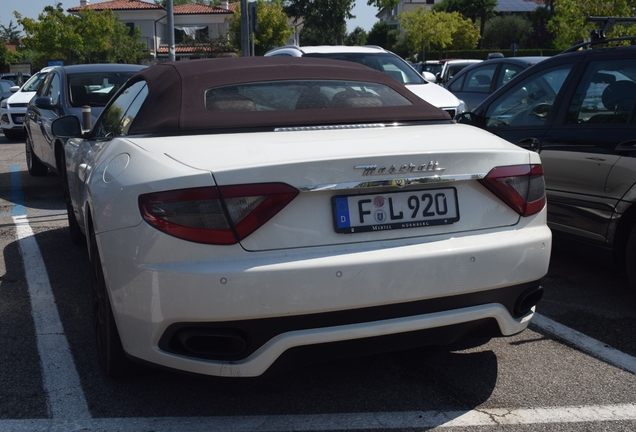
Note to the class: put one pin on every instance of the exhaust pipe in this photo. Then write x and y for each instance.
(527, 301)
(214, 342)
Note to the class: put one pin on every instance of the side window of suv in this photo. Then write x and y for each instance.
(606, 93)
(530, 102)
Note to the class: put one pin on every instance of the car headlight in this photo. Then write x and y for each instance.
(3, 104)
(461, 107)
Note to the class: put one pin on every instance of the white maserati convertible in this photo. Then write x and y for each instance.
(245, 214)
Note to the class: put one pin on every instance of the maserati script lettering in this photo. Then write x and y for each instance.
(370, 170)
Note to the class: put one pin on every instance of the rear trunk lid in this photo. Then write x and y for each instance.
(356, 183)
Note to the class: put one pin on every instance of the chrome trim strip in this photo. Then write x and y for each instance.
(408, 183)
(327, 127)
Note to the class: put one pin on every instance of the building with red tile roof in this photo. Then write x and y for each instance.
(191, 20)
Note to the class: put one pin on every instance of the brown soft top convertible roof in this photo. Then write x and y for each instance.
(176, 97)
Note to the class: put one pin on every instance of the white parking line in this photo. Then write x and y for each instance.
(585, 343)
(68, 408)
(61, 381)
(355, 421)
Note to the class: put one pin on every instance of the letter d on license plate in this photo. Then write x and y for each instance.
(397, 210)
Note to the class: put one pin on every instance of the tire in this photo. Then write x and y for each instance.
(34, 164)
(12, 135)
(77, 236)
(110, 353)
(631, 261)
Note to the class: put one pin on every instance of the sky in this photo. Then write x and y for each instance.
(365, 15)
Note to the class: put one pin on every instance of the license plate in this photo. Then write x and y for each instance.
(19, 119)
(398, 210)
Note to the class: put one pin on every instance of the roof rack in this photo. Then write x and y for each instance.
(599, 36)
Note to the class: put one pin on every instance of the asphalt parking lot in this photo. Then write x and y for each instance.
(573, 369)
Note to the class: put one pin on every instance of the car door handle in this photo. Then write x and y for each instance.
(626, 146)
(531, 143)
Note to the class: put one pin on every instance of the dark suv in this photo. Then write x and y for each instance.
(577, 109)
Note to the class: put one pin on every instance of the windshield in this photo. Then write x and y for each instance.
(34, 83)
(95, 88)
(433, 68)
(384, 62)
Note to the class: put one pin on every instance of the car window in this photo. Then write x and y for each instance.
(529, 102)
(384, 62)
(117, 118)
(457, 83)
(34, 83)
(299, 95)
(479, 79)
(95, 88)
(508, 71)
(5, 86)
(433, 68)
(605, 94)
(453, 69)
(53, 89)
(45, 84)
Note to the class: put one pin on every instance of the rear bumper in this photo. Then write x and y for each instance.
(413, 326)
(159, 285)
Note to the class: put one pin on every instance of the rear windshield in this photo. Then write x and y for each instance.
(95, 88)
(300, 95)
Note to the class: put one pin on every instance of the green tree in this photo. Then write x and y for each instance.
(427, 29)
(10, 33)
(53, 35)
(125, 47)
(502, 31)
(5, 55)
(383, 35)
(273, 27)
(383, 4)
(474, 10)
(358, 37)
(541, 37)
(314, 36)
(89, 37)
(327, 15)
(569, 25)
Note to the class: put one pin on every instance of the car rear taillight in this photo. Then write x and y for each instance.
(520, 186)
(215, 215)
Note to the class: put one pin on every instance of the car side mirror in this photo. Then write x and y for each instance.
(428, 76)
(438, 77)
(67, 127)
(45, 103)
(468, 118)
(14, 89)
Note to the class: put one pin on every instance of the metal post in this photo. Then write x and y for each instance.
(171, 50)
(245, 30)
